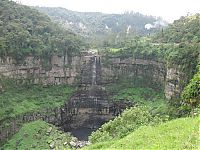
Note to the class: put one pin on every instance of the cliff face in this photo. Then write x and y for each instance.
(147, 73)
(61, 72)
(138, 71)
(174, 82)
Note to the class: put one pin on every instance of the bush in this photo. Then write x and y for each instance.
(191, 93)
(130, 120)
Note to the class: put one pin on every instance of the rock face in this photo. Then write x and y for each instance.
(147, 73)
(33, 70)
(138, 71)
(174, 82)
(89, 107)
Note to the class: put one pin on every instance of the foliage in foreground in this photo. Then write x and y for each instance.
(123, 125)
(38, 135)
(181, 133)
(16, 100)
(191, 93)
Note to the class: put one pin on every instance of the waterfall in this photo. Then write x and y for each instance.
(94, 72)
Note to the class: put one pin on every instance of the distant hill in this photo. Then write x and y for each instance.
(90, 24)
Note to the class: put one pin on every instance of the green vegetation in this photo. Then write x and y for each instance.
(123, 125)
(16, 99)
(38, 135)
(148, 97)
(171, 46)
(176, 134)
(169, 53)
(177, 46)
(137, 47)
(25, 31)
(136, 94)
(134, 129)
(186, 30)
(191, 93)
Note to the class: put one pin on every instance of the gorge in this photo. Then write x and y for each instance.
(100, 81)
(89, 107)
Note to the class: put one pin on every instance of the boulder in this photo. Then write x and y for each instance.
(49, 131)
(72, 143)
(52, 145)
(81, 144)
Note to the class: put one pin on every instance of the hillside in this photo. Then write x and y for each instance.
(39, 135)
(99, 25)
(177, 134)
(25, 31)
(184, 30)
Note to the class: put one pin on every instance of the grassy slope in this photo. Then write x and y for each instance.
(18, 100)
(177, 134)
(35, 135)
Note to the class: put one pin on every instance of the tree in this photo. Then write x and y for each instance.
(191, 93)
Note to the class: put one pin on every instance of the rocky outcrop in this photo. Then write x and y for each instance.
(174, 83)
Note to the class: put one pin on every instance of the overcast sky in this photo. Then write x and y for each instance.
(167, 9)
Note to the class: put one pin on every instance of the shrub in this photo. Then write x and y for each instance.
(130, 120)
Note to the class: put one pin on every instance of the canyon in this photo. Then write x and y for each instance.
(89, 107)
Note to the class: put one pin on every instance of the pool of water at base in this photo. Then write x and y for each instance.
(82, 133)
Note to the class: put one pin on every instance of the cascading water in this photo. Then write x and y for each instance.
(93, 121)
(94, 72)
(94, 78)
(89, 108)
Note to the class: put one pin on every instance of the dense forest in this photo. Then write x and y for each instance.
(154, 121)
(25, 31)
